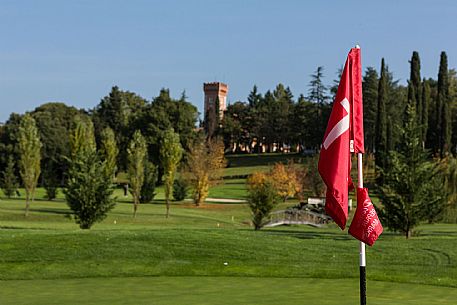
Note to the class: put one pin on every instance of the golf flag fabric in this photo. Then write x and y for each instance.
(365, 226)
(344, 134)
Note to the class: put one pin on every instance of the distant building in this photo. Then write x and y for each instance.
(215, 105)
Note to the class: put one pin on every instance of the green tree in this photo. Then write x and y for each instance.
(415, 89)
(412, 189)
(171, 153)
(89, 186)
(149, 184)
(443, 108)
(54, 124)
(137, 152)
(9, 180)
(109, 150)
(381, 120)
(425, 109)
(30, 152)
(370, 105)
(119, 110)
(262, 198)
(317, 92)
(180, 188)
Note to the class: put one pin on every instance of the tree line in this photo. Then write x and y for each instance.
(406, 127)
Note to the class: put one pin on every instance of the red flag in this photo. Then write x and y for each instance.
(345, 126)
(365, 225)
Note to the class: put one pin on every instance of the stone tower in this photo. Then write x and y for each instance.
(215, 92)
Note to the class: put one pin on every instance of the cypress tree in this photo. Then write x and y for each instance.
(370, 105)
(415, 84)
(425, 109)
(443, 108)
(381, 119)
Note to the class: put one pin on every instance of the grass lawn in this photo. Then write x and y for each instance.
(47, 259)
(217, 290)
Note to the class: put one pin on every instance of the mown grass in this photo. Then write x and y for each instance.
(47, 259)
(197, 290)
(197, 241)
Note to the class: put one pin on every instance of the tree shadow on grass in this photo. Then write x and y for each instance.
(308, 235)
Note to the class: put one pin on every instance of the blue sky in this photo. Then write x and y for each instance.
(75, 51)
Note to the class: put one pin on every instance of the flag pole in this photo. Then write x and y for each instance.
(363, 275)
(362, 257)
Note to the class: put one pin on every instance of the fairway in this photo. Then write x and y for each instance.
(47, 259)
(217, 290)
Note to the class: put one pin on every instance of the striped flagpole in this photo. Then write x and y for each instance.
(363, 275)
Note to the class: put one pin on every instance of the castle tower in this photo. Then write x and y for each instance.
(215, 92)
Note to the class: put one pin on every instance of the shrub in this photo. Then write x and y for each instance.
(262, 198)
(180, 188)
(148, 193)
(9, 179)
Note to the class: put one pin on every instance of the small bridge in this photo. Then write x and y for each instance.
(297, 217)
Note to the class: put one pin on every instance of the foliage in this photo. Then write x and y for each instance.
(51, 191)
(381, 148)
(119, 111)
(90, 185)
(109, 150)
(171, 153)
(443, 115)
(136, 152)
(205, 161)
(285, 180)
(30, 152)
(180, 188)
(370, 104)
(149, 184)
(54, 123)
(412, 187)
(164, 113)
(313, 180)
(262, 198)
(9, 182)
(317, 90)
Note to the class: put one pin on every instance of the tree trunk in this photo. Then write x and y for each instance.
(135, 207)
(27, 204)
(168, 208)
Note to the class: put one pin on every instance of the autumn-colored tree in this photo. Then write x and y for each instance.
(205, 161)
(285, 180)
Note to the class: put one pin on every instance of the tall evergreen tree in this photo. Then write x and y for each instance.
(317, 90)
(412, 189)
(381, 120)
(425, 109)
(254, 97)
(370, 105)
(30, 152)
(415, 84)
(89, 187)
(443, 108)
